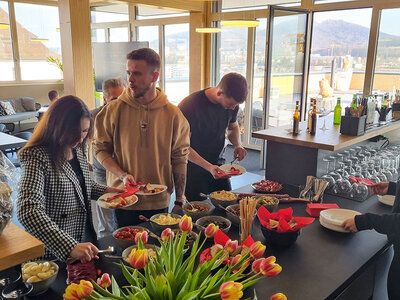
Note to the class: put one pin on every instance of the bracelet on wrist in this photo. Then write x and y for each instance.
(123, 176)
(178, 203)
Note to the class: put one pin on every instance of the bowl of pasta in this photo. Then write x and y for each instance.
(41, 274)
(159, 222)
(223, 198)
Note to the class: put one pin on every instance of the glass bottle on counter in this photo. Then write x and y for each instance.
(337, 113)
(296, 120)
(313, 127)
(354, 102)
(309, 113)
(371, 106)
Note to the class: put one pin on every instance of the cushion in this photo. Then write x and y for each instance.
(2, 111)
(28, 103)
(7, 106)
(17, 104)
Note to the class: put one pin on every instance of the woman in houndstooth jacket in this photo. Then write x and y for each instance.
(56, 188)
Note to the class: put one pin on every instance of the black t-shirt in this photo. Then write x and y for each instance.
(208, 123)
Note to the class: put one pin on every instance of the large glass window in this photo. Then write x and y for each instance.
(387, 63)
(258, 80)
(6, 53)
(110, 13)
(98, 35)
(339, 54)
(149, 34)
(176, 61)
(38, 39)
(119, 34)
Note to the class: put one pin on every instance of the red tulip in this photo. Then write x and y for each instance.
(231, 246)
(235, 260)
(104, 281)
(257, 249)
(138, 258)
(256, 266)
(143, 235)
(84, 289)
(167, 234)
(211, 230)
(278, 296)
(231, 290)
(186, 224)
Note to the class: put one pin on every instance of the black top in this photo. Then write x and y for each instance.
(208, 123)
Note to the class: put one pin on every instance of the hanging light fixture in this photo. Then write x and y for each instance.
(58, 29)
(208, 30)
(39, 40)
(240, 23)
(4, 26)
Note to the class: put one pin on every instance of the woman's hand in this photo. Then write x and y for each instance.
(84, 252)
(111, 189)
(350, 225)
(380, 188)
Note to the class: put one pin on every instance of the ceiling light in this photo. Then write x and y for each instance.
(39, 40)
(240, 23)
(58, 29)
(4, 26)
(208, 30)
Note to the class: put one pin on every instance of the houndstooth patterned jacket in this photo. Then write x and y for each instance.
(51, 206)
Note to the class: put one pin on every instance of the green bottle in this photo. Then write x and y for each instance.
(354, 103)
(338, 113)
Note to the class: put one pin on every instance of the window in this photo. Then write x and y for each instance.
(144, 12)
(339, 53)
(98, 35)
(240, 5)
(110, 13)
(258, 80)
(38, 39)
(387, 67)
(176, 62)
(6, 51)
(149, 34)
(119, 34)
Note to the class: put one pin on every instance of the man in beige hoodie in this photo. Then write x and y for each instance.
(143, 137)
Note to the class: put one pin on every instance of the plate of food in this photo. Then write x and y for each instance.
(267, 186)
(151, 189)
(112, 201)
(232, 170)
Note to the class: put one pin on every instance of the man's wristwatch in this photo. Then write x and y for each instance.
(123, 176)
(178, 203)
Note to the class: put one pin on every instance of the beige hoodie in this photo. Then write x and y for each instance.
(151, 142)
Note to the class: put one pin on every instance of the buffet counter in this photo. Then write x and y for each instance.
(303, 152)
(321, 264)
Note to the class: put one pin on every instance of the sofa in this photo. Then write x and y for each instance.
(25, 108)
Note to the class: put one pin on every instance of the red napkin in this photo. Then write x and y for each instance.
(130, 190)
(230, 173)
(362, 181)
(313, 209)
(283, 216)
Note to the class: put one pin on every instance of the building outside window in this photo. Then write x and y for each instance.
(6, 51)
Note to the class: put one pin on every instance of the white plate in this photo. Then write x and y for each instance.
(333, 227)
(227, 168)
(336, 216)
(387, 200)
(164, 187)
(101, 202)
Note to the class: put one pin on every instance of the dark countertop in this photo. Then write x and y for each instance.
(320, 265)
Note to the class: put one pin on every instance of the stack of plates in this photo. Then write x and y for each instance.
(387, 199)
(333, 218)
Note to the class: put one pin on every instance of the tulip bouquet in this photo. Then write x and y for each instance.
(168, 275)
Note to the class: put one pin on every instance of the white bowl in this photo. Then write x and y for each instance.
(227, 167)
(336, 216)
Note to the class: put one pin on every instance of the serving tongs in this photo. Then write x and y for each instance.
(235, 160)
(307, 188)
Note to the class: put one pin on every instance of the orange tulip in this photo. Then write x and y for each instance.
(256, 266)
(104, 281)
(257, 249)
(211, 230)
(84, 289)
(142, 235)
(186, 224)
(231, 290)
(270, 269)
(138, 258)
(278, 296)
(231, 246)
(167, 234)
(71, 293)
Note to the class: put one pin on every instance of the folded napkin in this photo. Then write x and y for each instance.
(283, 216)
(362, 181)
(130, 190)
(230, 173)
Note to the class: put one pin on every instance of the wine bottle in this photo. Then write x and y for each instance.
(296, 120)
(337, 115)
(309, 113)
(313, 120)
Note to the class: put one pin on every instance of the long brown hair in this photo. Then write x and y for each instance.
(60, 128)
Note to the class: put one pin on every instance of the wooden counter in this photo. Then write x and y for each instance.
(330, 139)
(18, 246)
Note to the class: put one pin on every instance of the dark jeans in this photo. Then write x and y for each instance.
(201, 181)
(131, 217)
(393, 285)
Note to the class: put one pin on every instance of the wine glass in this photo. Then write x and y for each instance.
(360, 192)
(334, 173)
(324, 111)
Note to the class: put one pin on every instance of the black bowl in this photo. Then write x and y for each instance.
(280, 239)
(17, 289)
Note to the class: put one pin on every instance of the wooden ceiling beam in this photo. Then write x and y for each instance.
(182, 5)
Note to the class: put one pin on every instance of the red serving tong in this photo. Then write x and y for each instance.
(362, 181)
(130, 190)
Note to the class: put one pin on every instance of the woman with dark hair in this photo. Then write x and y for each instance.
(56, 188)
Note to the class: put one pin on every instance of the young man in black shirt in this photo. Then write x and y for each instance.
(211, 113)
